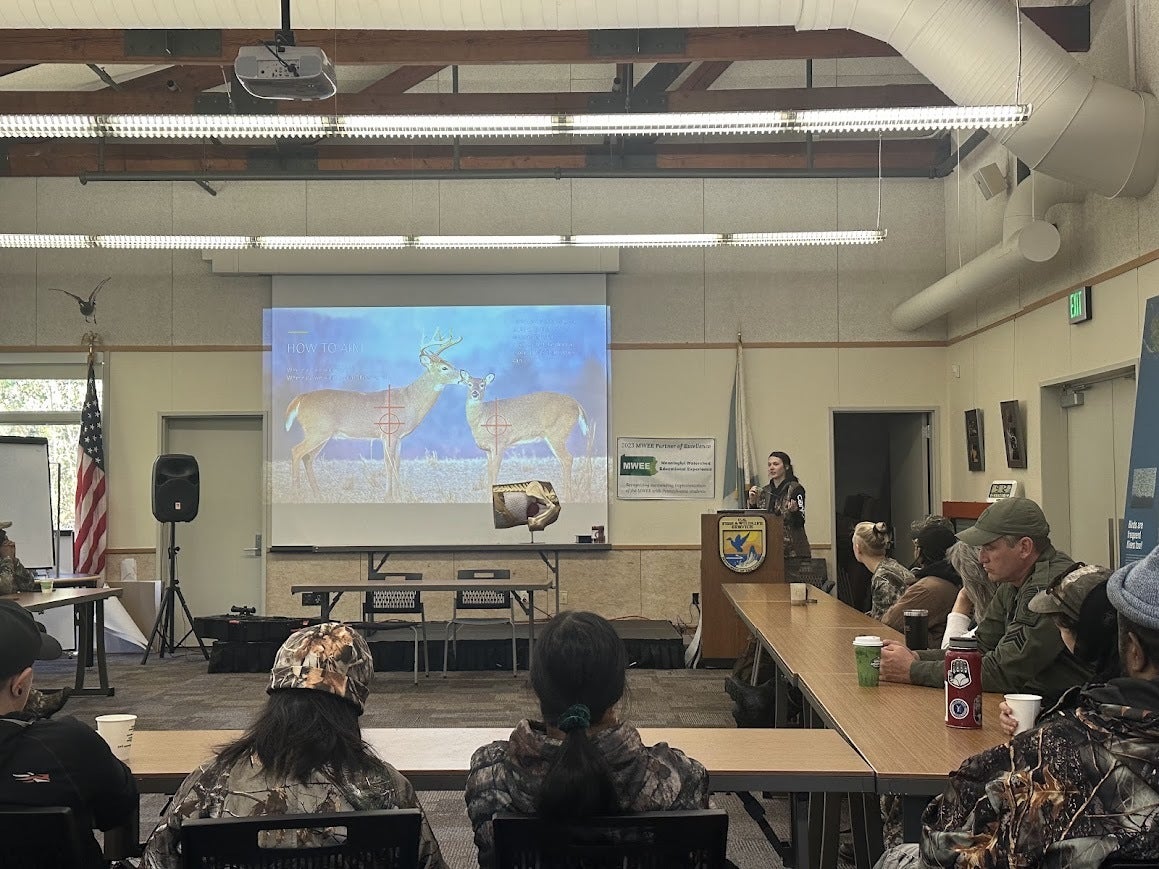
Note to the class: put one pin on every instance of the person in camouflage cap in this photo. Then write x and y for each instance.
(303, 755)
(329, 657)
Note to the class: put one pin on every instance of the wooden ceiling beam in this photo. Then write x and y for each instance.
(72, 158)
(1069, 26)
(193, 79)
(158, 100)
(702, 78)
(402, 79)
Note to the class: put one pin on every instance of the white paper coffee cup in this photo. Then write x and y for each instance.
(798, 592)
(1025, 708)
(117, 731)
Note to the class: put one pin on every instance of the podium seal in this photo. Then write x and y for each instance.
(742, 542)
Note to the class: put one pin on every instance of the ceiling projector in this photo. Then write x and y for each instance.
(285, 72)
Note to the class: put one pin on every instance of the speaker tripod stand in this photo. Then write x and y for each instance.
(165, 625)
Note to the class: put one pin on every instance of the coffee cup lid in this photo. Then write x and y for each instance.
(868, 640)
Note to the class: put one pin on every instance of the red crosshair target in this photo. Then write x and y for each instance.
(389, 423)
(496, 424)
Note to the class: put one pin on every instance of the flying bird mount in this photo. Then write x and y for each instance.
(88, 307)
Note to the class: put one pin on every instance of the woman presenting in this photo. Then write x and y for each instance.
(784, 496)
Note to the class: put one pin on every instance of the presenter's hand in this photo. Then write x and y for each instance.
(895, 661)
(754, 494)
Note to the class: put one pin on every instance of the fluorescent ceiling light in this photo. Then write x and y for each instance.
(911, 119)
(438, 242)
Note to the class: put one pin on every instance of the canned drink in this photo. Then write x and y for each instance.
(963, 683)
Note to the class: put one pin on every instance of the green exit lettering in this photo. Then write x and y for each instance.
(1079, 306)
(637, 466)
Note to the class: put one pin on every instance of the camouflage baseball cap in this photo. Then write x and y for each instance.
(1015, 517)
(1066, 592)
(329, 657)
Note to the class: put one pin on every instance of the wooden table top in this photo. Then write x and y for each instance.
(739, 592)
(512, 584)
(38, 602)
(440, 757)
(900, 730)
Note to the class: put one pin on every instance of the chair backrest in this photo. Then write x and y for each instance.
(42, 837)
(383, 839)
(482, 598)
(393, 600)
(649, 840)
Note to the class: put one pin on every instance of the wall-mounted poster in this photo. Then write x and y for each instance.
(975, 446)
(1013, 435)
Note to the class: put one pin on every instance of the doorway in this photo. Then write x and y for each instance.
(882, 472)
(1098, 435)
(220, 563)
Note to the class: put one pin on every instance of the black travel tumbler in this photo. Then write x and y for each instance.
(917, 629)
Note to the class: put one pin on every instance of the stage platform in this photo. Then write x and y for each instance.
(651, 644)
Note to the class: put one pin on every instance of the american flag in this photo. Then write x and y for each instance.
(88, 543)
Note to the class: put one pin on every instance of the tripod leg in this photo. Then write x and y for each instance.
(189, 616)
(156, 633)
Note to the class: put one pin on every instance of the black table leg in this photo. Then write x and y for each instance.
(913, 806)
(84, 642)
(868, 840)
(102, 661)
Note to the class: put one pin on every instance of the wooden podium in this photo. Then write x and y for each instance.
(723, 635)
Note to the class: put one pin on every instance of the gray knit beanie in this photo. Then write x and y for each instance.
(1134, 591)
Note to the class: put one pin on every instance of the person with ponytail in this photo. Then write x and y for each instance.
(872, 542)
(580, 760)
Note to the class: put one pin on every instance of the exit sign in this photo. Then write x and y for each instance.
(1079, 305)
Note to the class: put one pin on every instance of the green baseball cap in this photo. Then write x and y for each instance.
(1017, 517)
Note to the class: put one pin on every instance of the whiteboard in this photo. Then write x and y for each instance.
(26, 498)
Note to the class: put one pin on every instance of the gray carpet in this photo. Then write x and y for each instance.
(177, 693)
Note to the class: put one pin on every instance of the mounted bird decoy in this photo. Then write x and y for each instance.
(88, 307)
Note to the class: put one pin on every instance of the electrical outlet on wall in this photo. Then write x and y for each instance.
(562, 597)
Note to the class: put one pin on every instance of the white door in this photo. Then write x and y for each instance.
(909, 464)
(220, 560)
(1099, 455)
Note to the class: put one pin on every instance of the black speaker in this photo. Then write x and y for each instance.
(176, 482)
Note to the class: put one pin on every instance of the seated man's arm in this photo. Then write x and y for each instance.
(1012, 658)
(112, 792)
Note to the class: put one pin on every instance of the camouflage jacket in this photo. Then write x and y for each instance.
(215, 791)
(1077, 789)
(888, 583)
(788, 501)
(506, 776)
(14, 576)
(1021, 650)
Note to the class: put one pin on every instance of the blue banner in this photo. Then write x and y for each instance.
(1141, 518)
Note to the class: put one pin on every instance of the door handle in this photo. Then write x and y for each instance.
(256, 549)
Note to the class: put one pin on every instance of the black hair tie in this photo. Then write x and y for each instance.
(575, 717)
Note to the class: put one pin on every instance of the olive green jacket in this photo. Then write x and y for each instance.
(1021, 650)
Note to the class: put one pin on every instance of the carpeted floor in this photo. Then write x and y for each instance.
(178, 693)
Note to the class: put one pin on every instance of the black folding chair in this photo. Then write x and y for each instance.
(379, 839)
(397, 601)
(42, 837)
(480, 599)
(649, 840)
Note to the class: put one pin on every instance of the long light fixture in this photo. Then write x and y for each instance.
(909, 119)
(45, 241)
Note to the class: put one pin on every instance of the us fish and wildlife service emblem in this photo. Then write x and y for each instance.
(742, 542)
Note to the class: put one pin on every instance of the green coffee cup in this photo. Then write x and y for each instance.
(867, 650)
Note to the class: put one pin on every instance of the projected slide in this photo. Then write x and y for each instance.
(389, 410)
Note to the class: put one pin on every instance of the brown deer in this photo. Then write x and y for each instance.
(502, 423)
(388, 415)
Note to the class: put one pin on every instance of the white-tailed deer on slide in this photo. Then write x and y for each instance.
(502, 423)
(388, 415)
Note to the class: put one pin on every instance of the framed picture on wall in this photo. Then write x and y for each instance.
(975, 445)
(1013, 435)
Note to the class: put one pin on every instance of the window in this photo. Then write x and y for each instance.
(42, 397)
